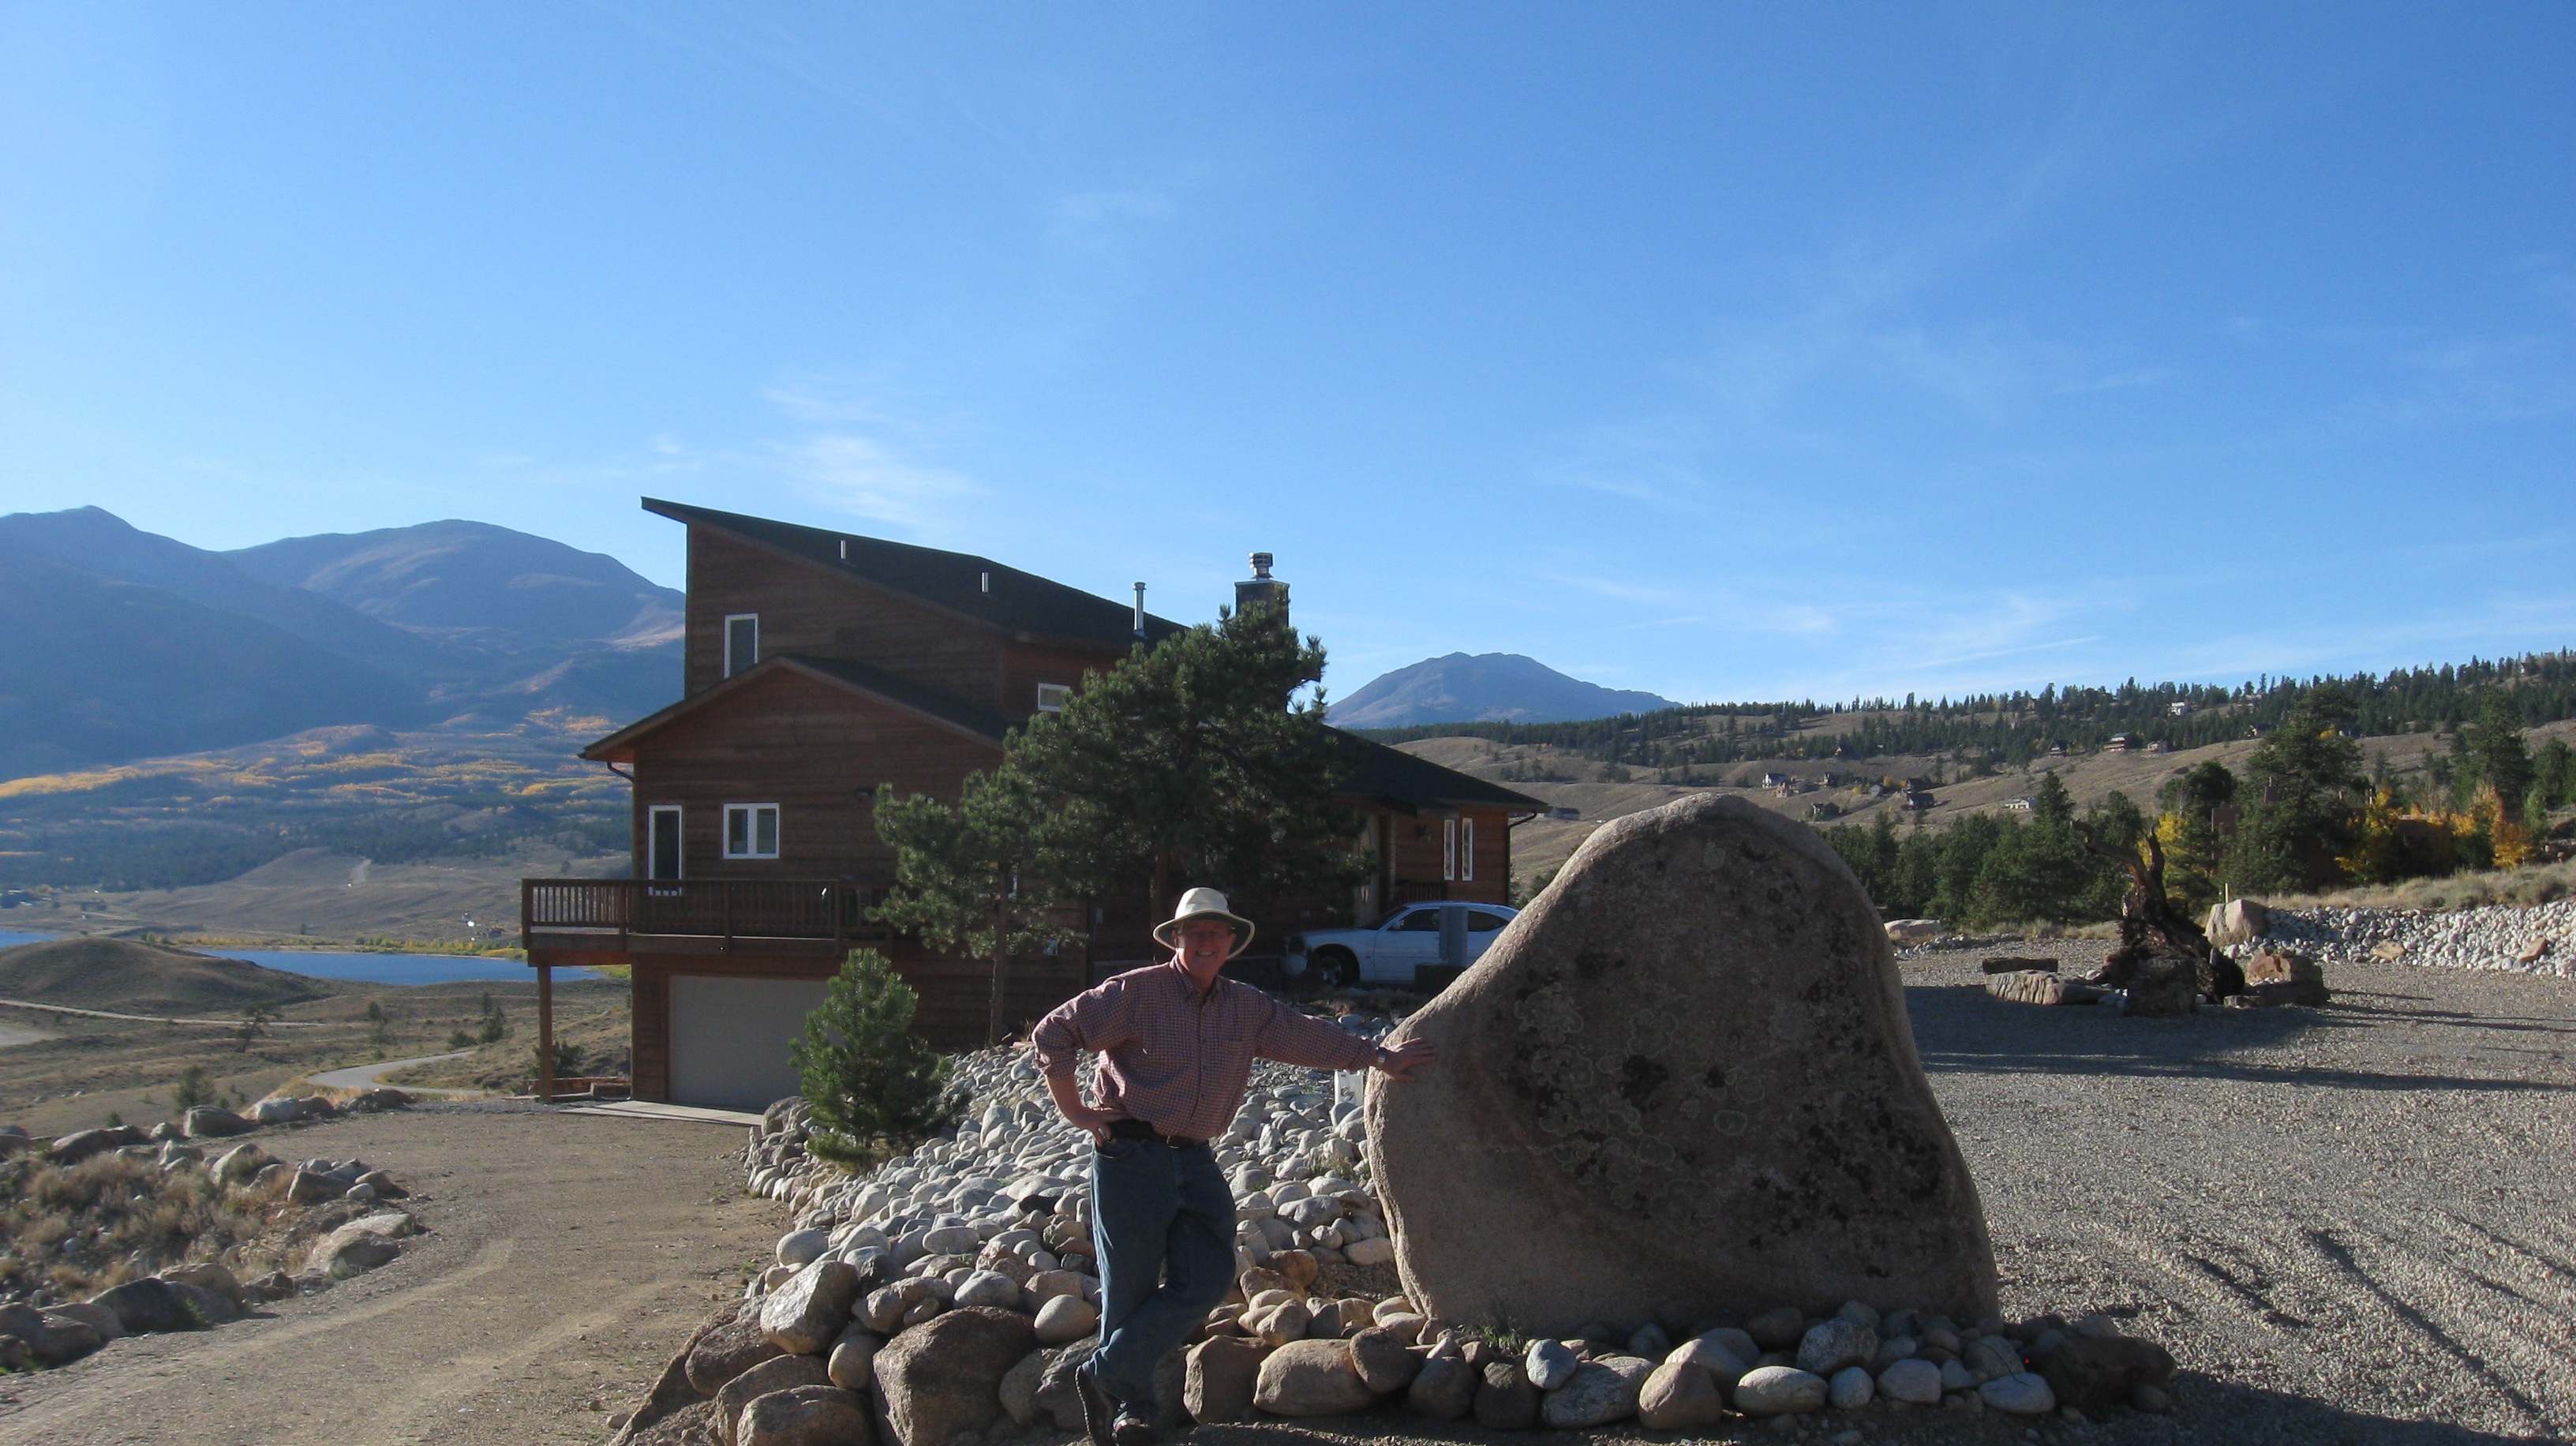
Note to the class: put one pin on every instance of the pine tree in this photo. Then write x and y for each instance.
(2308, 778)
(968, 876)
(876, 1088)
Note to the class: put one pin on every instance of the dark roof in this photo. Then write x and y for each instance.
(873, 682)
(1395, 776)
(1020, 602)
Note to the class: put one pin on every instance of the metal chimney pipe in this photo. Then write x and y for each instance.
(1140, 610)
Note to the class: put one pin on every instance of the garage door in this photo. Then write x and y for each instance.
(729, 1038)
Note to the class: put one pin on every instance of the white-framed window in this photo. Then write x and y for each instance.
(1051, 696)
(1467, 848)
(1449, 849)
(751, 831)
(662, 842)
(741, 642)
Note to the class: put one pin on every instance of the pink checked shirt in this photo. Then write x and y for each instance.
(1178, 1059)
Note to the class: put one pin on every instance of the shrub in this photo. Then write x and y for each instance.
(192, 1090)
(876, 1088)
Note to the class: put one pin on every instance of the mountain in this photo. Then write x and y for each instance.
(94, 669)
(118, 644)
(1498, 687)
(472, 577)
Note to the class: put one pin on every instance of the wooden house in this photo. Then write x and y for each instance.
(821, 664)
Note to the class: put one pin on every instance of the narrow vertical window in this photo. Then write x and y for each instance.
(741, 642)
(1449, 849)
(751, 831)
(662, 842)
(1467, 848)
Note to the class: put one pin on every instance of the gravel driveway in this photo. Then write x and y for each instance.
(569, 1253)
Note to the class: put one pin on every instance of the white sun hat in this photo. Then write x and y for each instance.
(1204, 904)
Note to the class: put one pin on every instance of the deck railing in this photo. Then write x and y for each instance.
(725, 909)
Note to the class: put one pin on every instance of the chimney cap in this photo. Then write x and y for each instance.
(1261, 566)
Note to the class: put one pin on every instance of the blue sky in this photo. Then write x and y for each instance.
(1728, 351)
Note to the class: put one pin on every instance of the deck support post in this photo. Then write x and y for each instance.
(545, 1034)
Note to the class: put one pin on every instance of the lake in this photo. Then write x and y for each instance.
(367, 968)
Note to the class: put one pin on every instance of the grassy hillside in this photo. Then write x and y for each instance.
(364, 792)
(134, 978)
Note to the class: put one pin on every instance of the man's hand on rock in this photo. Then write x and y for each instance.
(1400, 1062)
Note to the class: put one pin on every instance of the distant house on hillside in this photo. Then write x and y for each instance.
(820, 665)
(2020, 805)
(1919, 802)
(2121, 743)
(2178, 709)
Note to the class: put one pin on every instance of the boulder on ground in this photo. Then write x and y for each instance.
(146, 1306)
(1444, 1389)
(2237, 921)
(277, 1110)
(727, 1350)
(852, 1364)
(1680, 1396)
(2019, 1394)
(207, 1122)
(1913, 1380)
(208, 1274)
(1780, 1391)
(1505, 1398)
(309, 1187)
(2278, 966)
(945, 1376)
(1385, 1363)
(1600, 1392)
(80, 1145)
(51, 1340)
(238, 1164)
(779, 1373)
(804, 1316)
(1599, 1142)
(2030, 986)
(1830, 1345)
(1311, 1378)
(1912, 931)
(1223, 1373)
(97, 1317)
(353, 1250)
(804, 1416)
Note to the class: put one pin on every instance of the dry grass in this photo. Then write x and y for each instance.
(68, 1233)
(2526, 886)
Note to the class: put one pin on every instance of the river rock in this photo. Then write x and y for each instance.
(779, 1373)
(1056, 1394)
(1830, 1345)
(728, 1350)
(2237, 921)
(804, 1416)
(1916, 1382)
(1780, 1391)
(803, 1247)
(1599, 1141)
(804, 1316)
(945, 1376)
(1599, 1393)
(1505, 1399)
(1719, 1357)
(1311, 1378)
(1680, 1396)
(1223, 1373)
(1443, 1390)
(988, 1288)
(1850, 1388)
(1549, 1363)
(1063, 1319)
(2019, 1394)
(1386, 1365)
(852, 1365)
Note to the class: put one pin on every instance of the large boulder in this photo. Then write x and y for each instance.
(804, 1416)
(945, 1376)
(1311, 1378)
(727, 1350)
(1599, 1393)
(52, 1340)
(207, 1122)
(147, 1305)
(1680, 1083)
(2237, 921)
(778, 1373)
(804, 1316)
(1444, 1389)
(1223, 1373)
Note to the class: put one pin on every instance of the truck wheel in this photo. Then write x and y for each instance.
(1335, 968)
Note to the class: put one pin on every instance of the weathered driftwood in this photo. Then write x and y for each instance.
(2164, 959)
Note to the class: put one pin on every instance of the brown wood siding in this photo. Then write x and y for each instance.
(805, 609)
(816, 751)
(955, 994)
(1025, 665)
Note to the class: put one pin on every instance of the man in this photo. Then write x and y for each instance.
(1176, 1042)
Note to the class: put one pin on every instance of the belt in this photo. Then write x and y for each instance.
(1139, 1130)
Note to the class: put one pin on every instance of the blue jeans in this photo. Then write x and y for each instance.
(1163, 1220)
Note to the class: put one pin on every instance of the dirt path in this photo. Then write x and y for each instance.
(146, 1018)
(569, 1252)
(11, 1034)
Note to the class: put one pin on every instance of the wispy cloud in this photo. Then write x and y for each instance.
(861, 476)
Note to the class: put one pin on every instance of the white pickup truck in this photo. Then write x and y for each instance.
(1390, 950)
